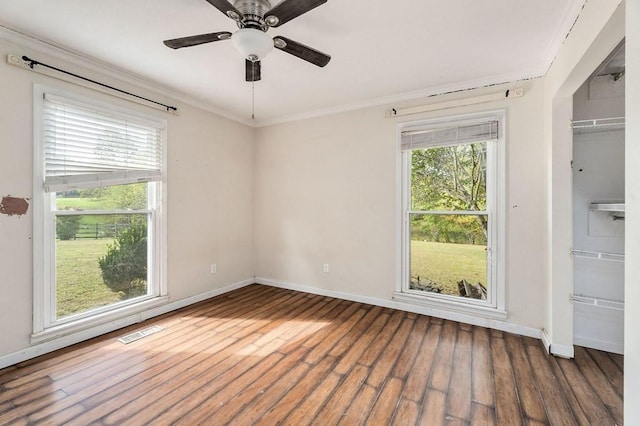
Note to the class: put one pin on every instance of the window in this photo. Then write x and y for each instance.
(98, 196)
(451, 232)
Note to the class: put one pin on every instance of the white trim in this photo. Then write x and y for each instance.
(563, 351)
(615, 347)
(450, 304)
(496, 206)
(409, 307)
(63, 341)
(546, 340)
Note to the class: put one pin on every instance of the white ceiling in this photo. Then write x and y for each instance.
(381, 51)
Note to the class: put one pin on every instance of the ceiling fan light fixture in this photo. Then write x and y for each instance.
(252, 44)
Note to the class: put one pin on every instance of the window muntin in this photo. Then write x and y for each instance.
(450, 200)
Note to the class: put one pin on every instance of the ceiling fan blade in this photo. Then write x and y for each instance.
(252, 70)
(301, 51)
(289, 9)
(195, 40)
(227, 8)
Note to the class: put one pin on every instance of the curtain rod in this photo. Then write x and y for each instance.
(32, 62)
(508, 94)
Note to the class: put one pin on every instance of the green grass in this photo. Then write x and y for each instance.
(63, 203)
(79, 284)
(445, 264)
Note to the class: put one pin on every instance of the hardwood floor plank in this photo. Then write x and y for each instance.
(308, 409)
(482, 415)
(482, 386)
(567, 389)
(382, 340)
(298, 393)
(360, 345)
(339, 402)
(323, 347)
(68, 361)
(557, 407)
(420, 372)
(409, 352)
(508, 410)
(618, 359)
(407, 413)
(381, 369)
(34, 406)
(360, 329)
(528, 391)
(225, 403)
(385, 406)
(434, 408)
(599, 384)
(266, 399)
(22, 394)
(263, 355)
(442, 363)
(459, 390)
(610, 369)
(359, 410)
(57, 417)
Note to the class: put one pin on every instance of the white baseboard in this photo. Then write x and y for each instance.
(563, 351)
(546, 340)
(73, 338)
(394, 304)
(601, 345)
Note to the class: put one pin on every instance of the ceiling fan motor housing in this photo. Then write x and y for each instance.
(253, 13)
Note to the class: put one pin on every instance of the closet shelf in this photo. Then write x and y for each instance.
(597, 125)
(616, 257)
(614, 208)
(600, 303)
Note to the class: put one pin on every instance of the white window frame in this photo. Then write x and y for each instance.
(45, 324)
(495, 305)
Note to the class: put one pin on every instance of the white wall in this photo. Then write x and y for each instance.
(327, 192)
(210, 196)
(598, 30)
(598, 175)
(632, 247)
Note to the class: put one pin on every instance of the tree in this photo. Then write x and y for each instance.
(125, 264)
(451, 178)
(67, 227)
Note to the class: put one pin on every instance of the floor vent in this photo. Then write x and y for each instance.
(140, 334)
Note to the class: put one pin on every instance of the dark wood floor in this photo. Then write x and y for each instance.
(262, 355)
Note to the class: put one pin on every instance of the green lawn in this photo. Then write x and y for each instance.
(445, 264)
(79, 284)
(63, 203)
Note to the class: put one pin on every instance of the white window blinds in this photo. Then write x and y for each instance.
(87, 146)
(450, 135)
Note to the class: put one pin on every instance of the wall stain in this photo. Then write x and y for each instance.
(14, 206)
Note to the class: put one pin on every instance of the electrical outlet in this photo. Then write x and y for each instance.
(325, 268)
(214, 268)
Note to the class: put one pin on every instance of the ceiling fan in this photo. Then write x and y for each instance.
(254, 18)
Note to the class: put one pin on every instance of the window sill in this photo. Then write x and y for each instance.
(111, 318)
(451, 306)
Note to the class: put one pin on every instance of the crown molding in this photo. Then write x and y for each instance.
(81, 60)
(393, 100)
